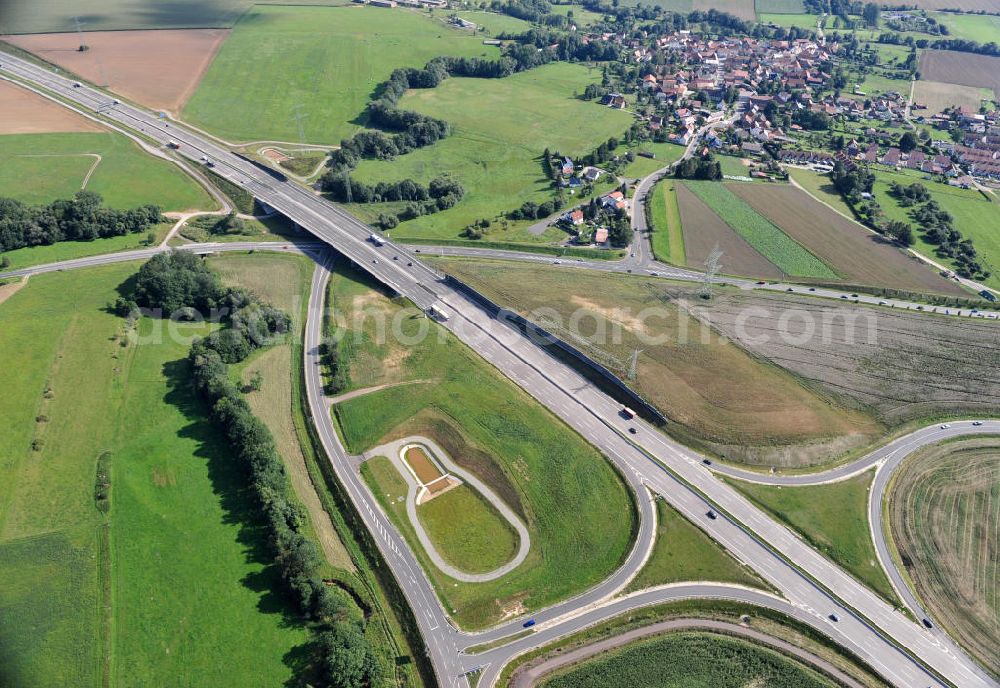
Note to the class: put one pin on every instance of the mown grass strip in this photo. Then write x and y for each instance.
(790, 257)
(665, 222)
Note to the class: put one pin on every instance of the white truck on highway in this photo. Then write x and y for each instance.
(376, 239)
(437, 313)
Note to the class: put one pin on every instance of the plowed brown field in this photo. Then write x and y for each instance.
(967, 69)
(24, 112)
(704, 230)
(159, 69)
(863, 257)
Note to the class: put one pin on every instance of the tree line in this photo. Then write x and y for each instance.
(178, 281)
(82, 218)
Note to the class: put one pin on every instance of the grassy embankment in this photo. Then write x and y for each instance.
(767, 621)
(683, 368)
(684, 553)
(667, 236)
(576, 508)
(695, 660)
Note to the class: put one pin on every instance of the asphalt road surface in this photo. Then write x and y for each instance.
(900, 650)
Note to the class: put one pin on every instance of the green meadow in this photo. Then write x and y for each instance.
(323, 61)
(40, 168)
(134, 593)
(976, 216)
(500, 128)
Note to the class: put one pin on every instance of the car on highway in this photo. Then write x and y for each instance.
(945, 426)
(834, 617)
(632, 430)
(977, 422)
(528, 624)
(812, 288)
(707, 462)
(854, 296)
(761, 282)
(626, 412)
(77, 84)
(711, 514)
(927, 623)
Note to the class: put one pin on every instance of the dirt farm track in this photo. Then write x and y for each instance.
(158, 69)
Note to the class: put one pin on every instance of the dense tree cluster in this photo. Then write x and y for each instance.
(172, 282)
(938, 230)
(699, 168)
(811, 120)
(83, 218)
(346, 659)
(851, 183)
(909, 195)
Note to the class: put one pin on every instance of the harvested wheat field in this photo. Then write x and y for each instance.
(944, 512)
(900, 366)
(967, 69)
(704, 231)
(158, 69)
(937, 96)
(24, 112)
(862, 257)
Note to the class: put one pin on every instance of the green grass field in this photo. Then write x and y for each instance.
(667, 238)
(325, 60)
(576, 508)
(982, 28)
(116, 15)
(665, 153)
(500, 127)
(975, 216)
(581, 15)
(834, 519)
(684, 553)
(179, 549)
(467, 532)
(492, 23)
(787, 20)
(689, 659)
(772, 243)
(126, 176)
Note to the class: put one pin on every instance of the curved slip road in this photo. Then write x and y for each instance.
(884, 638)
(393, 450)
(528, 677)
(886, 460)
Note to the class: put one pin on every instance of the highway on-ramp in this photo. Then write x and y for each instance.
(894, 646)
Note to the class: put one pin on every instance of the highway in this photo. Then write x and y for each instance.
(867, 626)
